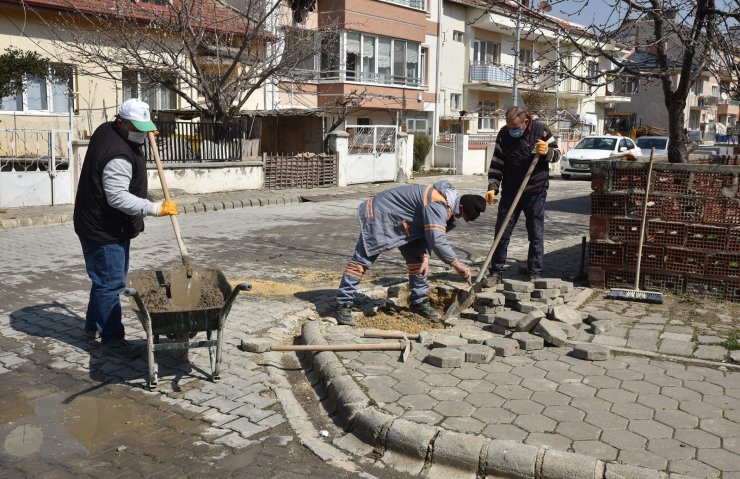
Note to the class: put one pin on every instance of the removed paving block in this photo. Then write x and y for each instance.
(602, 326)
(528, 342)
(591, 352)
(567, 315)
(566, 287)
(529, 306)
(483, 309)
(448, 341)
(503, 346)
(256, 345)
(446, 358)
(551, 333)
(478, 353)
(549, 301)
(547, 283)
(602, 316)
(486, 318)
(475, 337)
(490, 299)
(514, 296)
(508, 319)
(518, 286)
(529, 321)
(546, 293)
(735, 356)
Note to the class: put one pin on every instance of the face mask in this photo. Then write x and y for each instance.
(138, 137)
(516, 133)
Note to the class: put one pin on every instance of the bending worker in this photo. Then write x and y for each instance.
(516, 145)
(414, 219)
(109, 211)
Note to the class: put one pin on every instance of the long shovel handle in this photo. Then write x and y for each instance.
(501, 230)
(644, 219)
(175, 225)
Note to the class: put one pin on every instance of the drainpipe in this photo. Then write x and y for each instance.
(438, 61)
(517, 37)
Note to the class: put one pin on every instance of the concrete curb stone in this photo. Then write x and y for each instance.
(452, 454)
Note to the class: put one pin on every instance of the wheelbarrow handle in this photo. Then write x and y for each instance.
(230, 300)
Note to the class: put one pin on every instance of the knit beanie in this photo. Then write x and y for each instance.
(472, 206)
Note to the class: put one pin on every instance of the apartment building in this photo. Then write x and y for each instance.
(479, 46)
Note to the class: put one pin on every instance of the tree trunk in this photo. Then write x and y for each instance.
(678, 144)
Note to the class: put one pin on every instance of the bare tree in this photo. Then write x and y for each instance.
(671, 43)
(15, 64)
(214, 54)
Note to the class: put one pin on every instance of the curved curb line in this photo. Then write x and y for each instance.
(443, 453)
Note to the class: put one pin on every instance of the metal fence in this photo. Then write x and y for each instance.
(34, 150)
(371, 139)
(181, 141)
(304, 170)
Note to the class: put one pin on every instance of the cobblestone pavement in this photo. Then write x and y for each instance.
(45, 357)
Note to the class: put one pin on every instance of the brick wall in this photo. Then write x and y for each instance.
(692, 235)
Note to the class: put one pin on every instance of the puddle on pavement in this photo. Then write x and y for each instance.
(13, 405)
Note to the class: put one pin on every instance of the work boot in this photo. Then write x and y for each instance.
(425, 309)
(491, 280)
(92, 334)
(534, 276)
(343, 313)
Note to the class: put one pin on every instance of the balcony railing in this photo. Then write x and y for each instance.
(491, 73)
(417, 4)
(706, 101)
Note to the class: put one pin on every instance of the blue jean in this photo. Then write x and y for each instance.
(361, 262)
(533, 206)
(107, 266)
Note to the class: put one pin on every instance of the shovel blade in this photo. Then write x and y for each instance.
(463, 301)
(185, 290)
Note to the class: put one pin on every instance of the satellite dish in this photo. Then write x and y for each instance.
(610, 87)
(723, 95)
(544, 6)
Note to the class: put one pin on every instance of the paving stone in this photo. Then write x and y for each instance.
(516, 297)
(673, 346)
(650, 429)
(698, 438)
(712, 353)
(606, 420)
(546, 293)
(563, 413)
(567, 315)
(601, 327)
(720, 427)
(504, 347)
(624, 440)
(602, 316)
(454, 408)
(591, 352)
(422, 416)
(529, 321)
(463, 424)
(483, 400)
(523, 406)
(599, 450)
(475, 337)
(490, 299)
(539, 384)
(487, 318)
(490, 310)
(505, 432)
(528, 342)
(446, 357)
(500, 330)
(681, 393)
(643, 459)
(448, 341)
(477, 353)
(549, 302)
(548, 283)
(566, 287)
(476, 386)
(676, 419)
(417, 401)
(578, 431)
(551, 333)
(415, 387)
(671, 449)
(529, 306)
(535, 423)
(550, 398)
(693, 469)
(676, 336)
(508, 319)
(518, 286)
(735, 356)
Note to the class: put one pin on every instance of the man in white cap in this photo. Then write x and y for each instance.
(109, 211)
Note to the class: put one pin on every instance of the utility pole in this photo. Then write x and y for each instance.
(514, 86)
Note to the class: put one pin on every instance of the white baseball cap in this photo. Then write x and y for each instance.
(137, 112)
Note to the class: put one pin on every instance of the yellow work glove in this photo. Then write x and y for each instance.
(540, 147)
(491, 197)
(169, 208)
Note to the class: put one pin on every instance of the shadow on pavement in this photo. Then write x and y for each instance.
(58, 322)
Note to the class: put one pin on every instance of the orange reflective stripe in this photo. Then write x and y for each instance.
(437, 196)
(354, 270)
(427, 195)
(406, 228)
(435, 227)
(369, 208)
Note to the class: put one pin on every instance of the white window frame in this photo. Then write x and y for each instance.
(458, 36)
(140, 81)
(455, 101)
(374, 77)
(49, 110)
(480, 51)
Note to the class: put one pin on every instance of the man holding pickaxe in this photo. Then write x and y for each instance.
(414, 219)
(516, 145)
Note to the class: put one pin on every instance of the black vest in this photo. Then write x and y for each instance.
(518, 154)
(94, 219)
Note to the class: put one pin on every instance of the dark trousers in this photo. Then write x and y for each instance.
(533, 206)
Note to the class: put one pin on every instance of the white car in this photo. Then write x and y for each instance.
(576, 163)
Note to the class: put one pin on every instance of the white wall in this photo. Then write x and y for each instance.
(209, 179)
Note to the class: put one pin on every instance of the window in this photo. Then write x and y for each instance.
(485, 109)
(301, 47)
(698, 87)
(423, 65)
(47, 95)
(525, 56)
(416, 125)
(352, 56)
(138, 85)
(715, 91)
(592, 69)
(485, 52)
(455, 101)
(399, 61)
(384, 60)
(368, 57)
(457, 36)
(363, 121)
(329, 52)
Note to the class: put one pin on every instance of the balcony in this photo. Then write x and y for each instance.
(496, 74)
(573, 87)
(617, 92)
(728, 107)
(704, 102)
(385, 79)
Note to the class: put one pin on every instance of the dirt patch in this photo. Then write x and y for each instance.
(318, 276)
(270, 288)
(398, 319)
